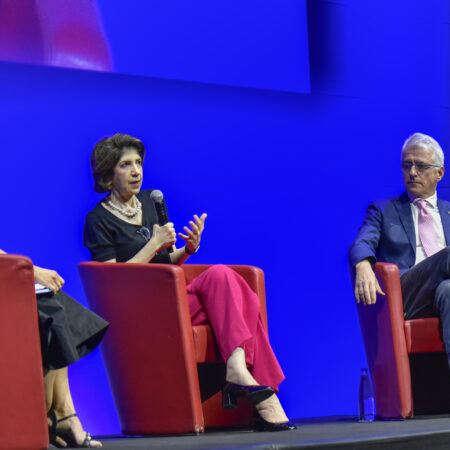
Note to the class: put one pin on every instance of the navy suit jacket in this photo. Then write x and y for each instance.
(387, 233)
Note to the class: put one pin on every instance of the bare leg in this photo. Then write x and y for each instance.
(62, 405)
(237, 372)
(49, 380)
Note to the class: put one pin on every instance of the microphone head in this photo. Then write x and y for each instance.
(157, 196)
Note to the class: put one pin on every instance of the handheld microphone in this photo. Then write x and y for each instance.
(158, 200)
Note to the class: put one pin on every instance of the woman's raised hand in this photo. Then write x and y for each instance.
(164, 237)
(193, 235)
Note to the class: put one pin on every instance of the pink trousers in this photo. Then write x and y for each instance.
(221, 298)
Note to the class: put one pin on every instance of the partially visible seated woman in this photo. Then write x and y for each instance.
(68, 331)
(123, 227)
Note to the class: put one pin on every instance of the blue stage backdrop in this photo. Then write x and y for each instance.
(284, 177)
(254, 44)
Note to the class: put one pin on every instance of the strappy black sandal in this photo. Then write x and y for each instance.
(56, 440)
(64, 435)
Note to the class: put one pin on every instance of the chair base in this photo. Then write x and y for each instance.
(430, 378)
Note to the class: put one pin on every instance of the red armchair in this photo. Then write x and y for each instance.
(23, 417)
(165, 375)
(406, 358)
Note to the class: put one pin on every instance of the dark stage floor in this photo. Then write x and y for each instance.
(338, 432)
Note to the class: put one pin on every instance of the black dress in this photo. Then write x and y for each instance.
(68, 330)
(108, 237)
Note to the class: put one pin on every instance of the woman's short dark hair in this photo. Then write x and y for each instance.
(107, 154)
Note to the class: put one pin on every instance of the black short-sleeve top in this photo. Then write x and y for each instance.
(108, 237)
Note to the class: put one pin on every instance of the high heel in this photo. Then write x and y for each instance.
(254, 394)
(63, 438)
(55, 440)
(263, 425)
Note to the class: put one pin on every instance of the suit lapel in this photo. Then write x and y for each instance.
(444, 211)
(403, 206)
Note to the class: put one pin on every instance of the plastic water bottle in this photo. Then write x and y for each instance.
(365, 398)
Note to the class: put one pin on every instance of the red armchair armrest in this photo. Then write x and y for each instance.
(382, 328)
(23, 416)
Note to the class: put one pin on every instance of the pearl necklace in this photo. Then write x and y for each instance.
(123, 211)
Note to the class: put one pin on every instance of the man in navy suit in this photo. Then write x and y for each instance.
(413, 232)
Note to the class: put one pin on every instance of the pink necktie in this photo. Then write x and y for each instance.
(427, 232)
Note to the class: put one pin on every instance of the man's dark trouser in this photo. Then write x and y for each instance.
(426, 291)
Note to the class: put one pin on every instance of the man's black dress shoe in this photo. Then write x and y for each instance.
(254, 394)
(262, 424)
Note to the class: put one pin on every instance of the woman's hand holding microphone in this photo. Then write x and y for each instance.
(163, 237)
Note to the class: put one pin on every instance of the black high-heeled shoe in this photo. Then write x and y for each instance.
(263, 425)
(63, 438)
(254, 394)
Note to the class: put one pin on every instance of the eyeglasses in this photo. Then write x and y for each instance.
(420, 167)
(144, 232)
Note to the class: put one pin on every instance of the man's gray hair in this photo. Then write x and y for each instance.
(426, 142)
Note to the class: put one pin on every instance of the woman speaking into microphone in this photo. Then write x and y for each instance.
(125, 227)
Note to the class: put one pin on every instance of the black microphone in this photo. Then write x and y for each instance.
(158, 200)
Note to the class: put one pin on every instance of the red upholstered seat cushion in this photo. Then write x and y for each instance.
(423, 335)
(204, 344)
